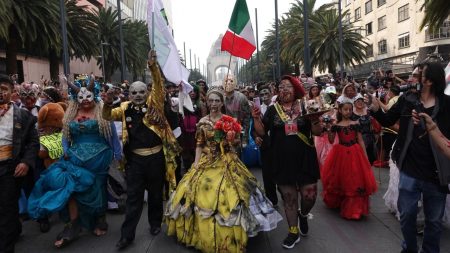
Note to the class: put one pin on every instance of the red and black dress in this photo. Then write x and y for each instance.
(347, 176)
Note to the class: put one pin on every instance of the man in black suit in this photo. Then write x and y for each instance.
(19, 147)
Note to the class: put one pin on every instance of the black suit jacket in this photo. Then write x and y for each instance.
(25, 140)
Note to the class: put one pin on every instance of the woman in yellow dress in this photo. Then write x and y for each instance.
(218, 204)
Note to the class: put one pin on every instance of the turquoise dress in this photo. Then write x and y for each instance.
(83, 176)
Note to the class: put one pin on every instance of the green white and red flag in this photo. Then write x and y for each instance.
(239, 40)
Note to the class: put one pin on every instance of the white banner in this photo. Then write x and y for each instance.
(165, 47)
(447, 79)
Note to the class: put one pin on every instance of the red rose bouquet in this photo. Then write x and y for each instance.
(226, 127)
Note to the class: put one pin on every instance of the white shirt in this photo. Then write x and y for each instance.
(6, 127)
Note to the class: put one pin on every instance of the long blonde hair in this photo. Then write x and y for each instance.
(72, 111)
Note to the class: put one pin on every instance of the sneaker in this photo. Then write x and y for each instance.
(303, 226)
(291, 240)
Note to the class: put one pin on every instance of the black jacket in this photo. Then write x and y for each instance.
(25, 139)
(402, 111)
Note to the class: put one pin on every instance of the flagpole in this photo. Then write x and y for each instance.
(153, 29)
(229, 62)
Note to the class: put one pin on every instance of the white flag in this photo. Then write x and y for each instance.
(447, 79)
(165, 47)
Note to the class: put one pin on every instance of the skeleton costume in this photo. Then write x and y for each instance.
(89, 146)
(150, 149)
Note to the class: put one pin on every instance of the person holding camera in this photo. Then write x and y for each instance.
(424, 170)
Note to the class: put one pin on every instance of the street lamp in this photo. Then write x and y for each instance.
(103, 59)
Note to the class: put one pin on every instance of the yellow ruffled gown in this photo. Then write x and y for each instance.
(218, 204)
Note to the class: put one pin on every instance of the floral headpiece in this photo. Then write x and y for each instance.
(84, 81)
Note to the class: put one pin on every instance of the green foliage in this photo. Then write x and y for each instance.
(436, 12)
(323, 36)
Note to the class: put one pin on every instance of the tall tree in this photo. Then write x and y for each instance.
(28, 24)
(436, 12)
(81, 36)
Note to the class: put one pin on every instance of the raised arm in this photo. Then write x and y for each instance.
(157, 94)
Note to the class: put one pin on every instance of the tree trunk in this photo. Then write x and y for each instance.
(11, 52)
(54, 64)
(332, 68)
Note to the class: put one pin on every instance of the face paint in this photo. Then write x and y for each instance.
(214, 103)
(229, 85)
(84, 95)
(138, 93)
(28, 94)
(265, 94)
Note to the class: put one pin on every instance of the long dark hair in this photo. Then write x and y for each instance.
(338, 113)
(436, 74)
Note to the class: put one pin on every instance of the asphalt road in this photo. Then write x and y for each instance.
(379, 232)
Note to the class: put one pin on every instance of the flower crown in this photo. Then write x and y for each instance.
(84, 81)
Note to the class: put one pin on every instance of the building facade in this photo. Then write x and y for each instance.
(391, 27)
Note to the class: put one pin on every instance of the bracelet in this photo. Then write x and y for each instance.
(433, 127)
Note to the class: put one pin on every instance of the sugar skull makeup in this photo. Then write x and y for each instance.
(138, 93)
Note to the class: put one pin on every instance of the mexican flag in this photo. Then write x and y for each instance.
(239, 39)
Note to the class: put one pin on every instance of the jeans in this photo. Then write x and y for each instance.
(410, 190)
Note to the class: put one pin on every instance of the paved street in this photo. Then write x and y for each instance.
(380, 232)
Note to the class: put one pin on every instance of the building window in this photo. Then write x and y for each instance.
(442, 33)
(369, 50)
(369, 28)
(368, 6)
(382, 23)
(403, 40)
(346, 19)
(381, 2)
(403, 13)
(347, 2)
(382, 47)
(358, 14)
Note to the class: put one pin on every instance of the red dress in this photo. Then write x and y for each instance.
(347, 176)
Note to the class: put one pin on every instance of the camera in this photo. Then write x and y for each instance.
(326, 119)
(410, 86)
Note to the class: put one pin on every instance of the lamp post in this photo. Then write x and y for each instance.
(62, 12)
(122, 54)
(341, 56)
(103, 59)
(306, 60)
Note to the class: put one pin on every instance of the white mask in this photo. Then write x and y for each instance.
(229, 84)
(85, 94)
(138, 93)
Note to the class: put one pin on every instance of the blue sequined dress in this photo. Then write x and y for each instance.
(83, 177)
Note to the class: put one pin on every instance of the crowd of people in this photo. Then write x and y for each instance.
(79, 148)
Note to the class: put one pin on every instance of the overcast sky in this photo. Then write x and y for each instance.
(199, 23)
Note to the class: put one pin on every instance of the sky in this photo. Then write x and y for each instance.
(199, 23)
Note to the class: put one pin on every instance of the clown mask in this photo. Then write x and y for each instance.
(229, 84)
(138, 93)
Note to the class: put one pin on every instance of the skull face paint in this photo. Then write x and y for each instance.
(229, 84)
(28, 94)
(138, 93)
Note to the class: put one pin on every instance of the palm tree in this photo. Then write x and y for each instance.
(28, 27)
(136, 42)
(436, 12)
(107, 29)
(81, 36)
(324, 37)
(325, 42)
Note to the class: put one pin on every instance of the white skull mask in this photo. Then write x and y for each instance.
(85, 94)
(138, 93)
(229, 84)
